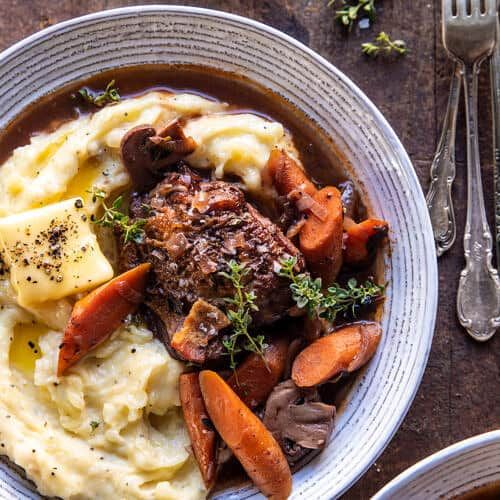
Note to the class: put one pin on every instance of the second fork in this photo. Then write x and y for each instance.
(469, 34)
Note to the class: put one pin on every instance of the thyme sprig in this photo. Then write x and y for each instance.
(108, 96)
(309, 295)
(114, 217)
(239, 313)
(384, 45)
(350, 13)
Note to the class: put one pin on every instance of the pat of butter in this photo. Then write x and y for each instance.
(52, 252)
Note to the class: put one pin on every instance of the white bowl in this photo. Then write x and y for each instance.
(383, 393)
(456, 470)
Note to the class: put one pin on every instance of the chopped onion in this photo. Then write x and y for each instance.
(306, 203)
(295, 228)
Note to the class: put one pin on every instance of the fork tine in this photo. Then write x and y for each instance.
(491, 7)
(446, 8)
(461, 8)
(475, 9)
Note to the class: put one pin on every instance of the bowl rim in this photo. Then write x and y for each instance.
(380, 122)
(440, 457)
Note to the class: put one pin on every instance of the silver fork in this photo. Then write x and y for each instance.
(442, 172)
(469, 35)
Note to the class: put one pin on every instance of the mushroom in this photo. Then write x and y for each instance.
(137, 155)
(350, 199)
(298, 420)
(146, 152)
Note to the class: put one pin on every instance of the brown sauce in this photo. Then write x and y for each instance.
(317, 151)
(487, 492)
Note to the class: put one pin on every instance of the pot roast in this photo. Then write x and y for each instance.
(193, 229)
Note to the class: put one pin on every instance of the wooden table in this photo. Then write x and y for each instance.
(460, 393)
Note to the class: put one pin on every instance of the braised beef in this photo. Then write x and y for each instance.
(193, 229)
(298, 420)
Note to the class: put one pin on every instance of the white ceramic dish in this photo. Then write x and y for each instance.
(454, 471)
(383, 393)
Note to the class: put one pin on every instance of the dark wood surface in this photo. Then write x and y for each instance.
(460, 394)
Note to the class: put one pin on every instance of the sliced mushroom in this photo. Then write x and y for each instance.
(145, 152)
(298, 420)
(137, 155)
(350, 199)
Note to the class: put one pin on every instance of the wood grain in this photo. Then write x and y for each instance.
(459, 395)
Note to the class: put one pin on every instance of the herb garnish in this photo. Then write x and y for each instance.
(114, 217)
(308, 294)
(243, 303)
(109, 95)
(96, 193)
(348, 14)
(94, 425)
(384, 45)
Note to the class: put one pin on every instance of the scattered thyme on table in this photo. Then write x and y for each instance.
(352, 11)
(384, 45)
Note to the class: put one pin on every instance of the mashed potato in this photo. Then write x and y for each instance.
(112, 427)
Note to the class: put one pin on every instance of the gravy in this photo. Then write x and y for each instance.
(317, 151)
(487, 492)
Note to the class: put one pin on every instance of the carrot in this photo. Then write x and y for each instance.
(287, 175)
(95, 317)
(202, 435)
(321, 240)
(256, 377)
(362, 238)
(247, 437)
(346, 349)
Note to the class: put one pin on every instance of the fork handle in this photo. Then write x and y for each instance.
(442, 173)
(478, 300)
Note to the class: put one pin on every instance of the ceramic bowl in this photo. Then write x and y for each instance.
(454, 471)
(377, 404)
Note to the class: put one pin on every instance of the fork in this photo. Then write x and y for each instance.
(469, 35)
(442, 173)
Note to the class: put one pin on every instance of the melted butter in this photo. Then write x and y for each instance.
(24, 348)
(79, 186)
(83, 181)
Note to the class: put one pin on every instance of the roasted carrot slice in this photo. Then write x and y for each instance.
(321, 240)
(361, 239)
(256, 377)
(200, 430)
(250, 441)
(95, 317)
(344, 350)
(287, 176)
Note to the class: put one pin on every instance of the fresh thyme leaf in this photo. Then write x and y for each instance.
(96, 193)
(109, 95)
(384, 45)
(239, 314)
(308, 294)
(147, 208)
(94, 425)
(350, 13)
(114, 217)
